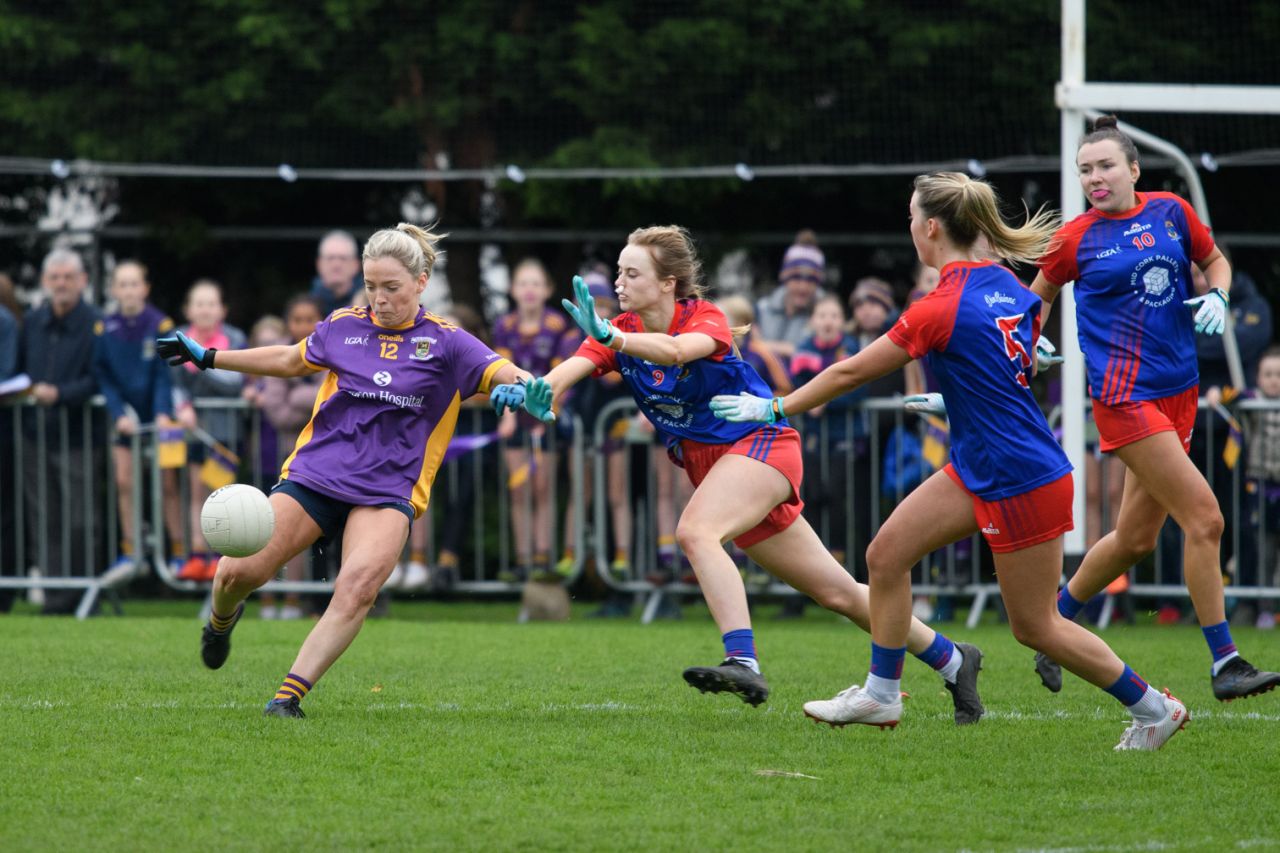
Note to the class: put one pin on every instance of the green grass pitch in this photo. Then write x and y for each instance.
(450, 727)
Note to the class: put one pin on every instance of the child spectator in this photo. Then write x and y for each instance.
(205, 313)
(741, 316)
(535, 338)
(286, 407)
(138, 392)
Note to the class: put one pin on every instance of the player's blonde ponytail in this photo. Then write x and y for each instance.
(413, 246)
(967, 208)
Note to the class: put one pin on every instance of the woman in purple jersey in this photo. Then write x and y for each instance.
(1008, 477)
(364, 464)
(1129, 257)
(675, 351)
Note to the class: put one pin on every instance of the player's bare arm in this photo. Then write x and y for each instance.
(882, 357)
(1047, 291)
(660, 348)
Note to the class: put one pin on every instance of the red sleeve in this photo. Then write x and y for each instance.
(705, 319)
(1201, 240)
(605, 359)
(1059, 263)
(927, 324)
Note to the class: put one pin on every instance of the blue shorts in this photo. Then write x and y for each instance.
(330, 514)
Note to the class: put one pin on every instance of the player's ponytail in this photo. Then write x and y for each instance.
(1108, 127)
(413, 246)
(674, 256)
(968, 208)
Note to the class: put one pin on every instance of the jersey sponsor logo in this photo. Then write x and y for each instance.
(1137, 228)
(999, 298)
(353, 340)
(1152, 280)
(404, 401)
(421, 348)
(382, 378)
(1106, 253)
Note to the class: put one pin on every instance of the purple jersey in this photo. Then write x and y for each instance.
(386, 410)
(555, 340)
(1132, 271)
(977, 331)
(676, 397)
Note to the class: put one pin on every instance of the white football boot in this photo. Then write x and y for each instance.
(1152, 736)
(854, 705)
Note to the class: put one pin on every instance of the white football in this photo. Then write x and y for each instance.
(237, 520)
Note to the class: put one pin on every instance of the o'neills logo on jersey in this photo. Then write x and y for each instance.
(998, 298)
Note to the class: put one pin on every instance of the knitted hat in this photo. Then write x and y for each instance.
(805, 261)
(599, 285)
(875, 290)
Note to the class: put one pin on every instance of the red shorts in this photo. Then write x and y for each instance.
(1011, 524)
(777, 447)
(1125, 423)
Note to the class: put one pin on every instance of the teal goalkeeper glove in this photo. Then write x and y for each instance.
(746, 407)
(1046, 354)
(538, 397)
(1211, 318)
(583, 312)
(926, 404)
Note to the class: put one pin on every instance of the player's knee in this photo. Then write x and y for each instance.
(1136, 543)
(880, 559)
(361, 590)
(244, 572)
(1207, 526)
(1029, 632)
(690, 535)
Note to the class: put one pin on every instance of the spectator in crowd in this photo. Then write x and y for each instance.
(287, 403)
(588, 404)
(10, 324)
(458, 500)
(206, 313)
(874, 311)
(1252, 323)
(742, 318)
(1259, 559)
(782, 317)
(535, 339)
(138, 392)
(832, 433)
(56, 351)
(916, 376)
(337, 283)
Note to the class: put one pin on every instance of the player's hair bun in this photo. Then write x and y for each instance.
(1102, 122)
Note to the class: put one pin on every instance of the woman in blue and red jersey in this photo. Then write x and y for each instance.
(1130, 258)
(675, 352)
(1008, 477)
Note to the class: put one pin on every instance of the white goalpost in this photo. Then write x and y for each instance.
(1077, 98)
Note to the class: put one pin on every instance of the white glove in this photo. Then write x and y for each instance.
(1046, 354)
(1211, 319)
(744, 407)
(925, 404)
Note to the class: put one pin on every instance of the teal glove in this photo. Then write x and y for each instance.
(178, 348)
(507, 397)
(926, 404)
(583, 312)
(1046, 354)
(746, 407)
(1211, 318)
(538, 397)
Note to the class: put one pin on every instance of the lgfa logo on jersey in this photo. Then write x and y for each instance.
(421, 348)
(382, 378)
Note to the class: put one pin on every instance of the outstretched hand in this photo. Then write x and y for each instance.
(744, 407)
(583, 312)
(507, 397)
(1211, 317)
(179, 349)
(538, 397)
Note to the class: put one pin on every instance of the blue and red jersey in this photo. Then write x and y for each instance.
(676, 397)
(1132, 271)
(977, 332)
